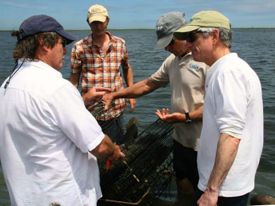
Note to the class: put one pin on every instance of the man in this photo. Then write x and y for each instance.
(49, 142)
(186, 78)
(232, 133)
(97, 59)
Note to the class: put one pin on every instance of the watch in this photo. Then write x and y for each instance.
(188, 120)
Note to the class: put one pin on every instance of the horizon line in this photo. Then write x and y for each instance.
(146, 28)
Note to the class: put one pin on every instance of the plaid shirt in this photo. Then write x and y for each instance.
(101, 70)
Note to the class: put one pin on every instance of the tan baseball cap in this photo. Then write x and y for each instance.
(97, 13)
(206, 19)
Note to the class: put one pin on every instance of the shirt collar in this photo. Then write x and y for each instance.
(112, 39)
(41, 65)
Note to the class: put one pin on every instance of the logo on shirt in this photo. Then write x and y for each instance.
(194, 67)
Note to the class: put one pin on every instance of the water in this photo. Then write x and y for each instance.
(256, 46)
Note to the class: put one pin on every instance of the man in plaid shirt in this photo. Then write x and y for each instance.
(95, 62)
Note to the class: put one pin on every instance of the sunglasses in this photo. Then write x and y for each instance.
(190, 37)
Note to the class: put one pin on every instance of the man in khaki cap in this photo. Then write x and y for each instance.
(232, 134)
(96, 61)
(97, 13)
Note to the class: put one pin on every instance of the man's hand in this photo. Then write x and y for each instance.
(133, 103)
(108, 150)
(94, 94)
(107, 100)
(117, 154)
(170, 117)
(208, 198)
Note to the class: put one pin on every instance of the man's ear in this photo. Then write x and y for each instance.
(108, 20)
(42, 47)
(216, 35)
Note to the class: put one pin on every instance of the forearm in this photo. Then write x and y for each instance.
(140, 88)
(129, 76)
(74, 79)
(86, 99)
(197, 113)
(104, 149)
(226, 152)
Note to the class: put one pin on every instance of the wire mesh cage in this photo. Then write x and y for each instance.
(145, 171)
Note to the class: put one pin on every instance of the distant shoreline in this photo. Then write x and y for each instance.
(235, 28)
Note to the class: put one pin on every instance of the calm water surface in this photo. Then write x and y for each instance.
(256, 46)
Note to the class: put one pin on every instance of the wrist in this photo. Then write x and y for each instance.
(112, 152)
(116, 95)
(180, 117)
(211, 189)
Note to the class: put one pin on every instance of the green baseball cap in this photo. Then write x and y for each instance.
(206, 19)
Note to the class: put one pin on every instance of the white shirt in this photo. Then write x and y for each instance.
(45, 138)
(186, 78)
(233, 105)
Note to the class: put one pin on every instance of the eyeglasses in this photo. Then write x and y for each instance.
(191, 36)
(185, 36)
(196, 34)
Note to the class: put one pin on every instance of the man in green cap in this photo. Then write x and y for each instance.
(232, 134)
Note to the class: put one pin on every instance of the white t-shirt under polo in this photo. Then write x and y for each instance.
(233, 105)
(46, 134)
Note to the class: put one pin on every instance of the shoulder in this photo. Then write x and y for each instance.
(195, 65)
(45, 81)
(170, 59)
(117, 39)
(83, 43)
(198, 65)
(233, 64)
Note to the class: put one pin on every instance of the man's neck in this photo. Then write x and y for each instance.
(184, 54)
(100, 39)
(219, 53)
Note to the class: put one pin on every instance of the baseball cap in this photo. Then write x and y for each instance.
(166, 25)
(42, 23)
(206, 19)
(97, 13)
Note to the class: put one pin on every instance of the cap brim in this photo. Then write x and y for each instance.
(164, 41)
(187, 28)
(97, 18)
(69, 37)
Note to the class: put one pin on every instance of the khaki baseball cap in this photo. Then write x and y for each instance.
(97, 13)
(207, 19)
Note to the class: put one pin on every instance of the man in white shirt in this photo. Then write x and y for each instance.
(49, 142)
(232, 133)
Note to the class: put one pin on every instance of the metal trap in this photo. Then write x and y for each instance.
(145, 171)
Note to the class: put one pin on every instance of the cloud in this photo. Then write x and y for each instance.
(25, 5)
(255, 6)
(246, 6)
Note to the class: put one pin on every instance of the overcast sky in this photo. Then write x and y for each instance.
(128, 14)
